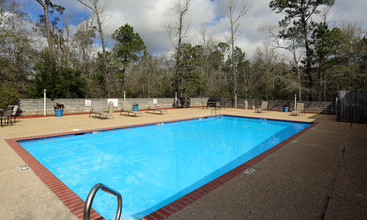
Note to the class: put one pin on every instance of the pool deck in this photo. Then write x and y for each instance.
(322, 172)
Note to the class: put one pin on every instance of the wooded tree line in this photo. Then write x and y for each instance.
(323, 59)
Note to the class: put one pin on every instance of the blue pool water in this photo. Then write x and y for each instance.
(154, 165)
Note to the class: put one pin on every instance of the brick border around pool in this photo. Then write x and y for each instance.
(76, 204)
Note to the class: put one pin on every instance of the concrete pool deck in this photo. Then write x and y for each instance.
(292, 183)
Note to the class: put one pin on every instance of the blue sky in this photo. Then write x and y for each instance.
(34, 9)
(148, 17)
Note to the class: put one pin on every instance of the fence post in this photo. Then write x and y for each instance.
(175, 99)
(44, 102)
(295, 102)
(235, 100)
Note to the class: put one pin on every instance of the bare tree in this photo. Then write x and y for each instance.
(98, 8)
(324, 12)
(16, 48)
(234, 15)
(177, 32)
(208, 43)
(82, 46)
(63, 44)
(291, 45)
(322, 83)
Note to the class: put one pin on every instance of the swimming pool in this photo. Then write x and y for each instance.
(154, 165)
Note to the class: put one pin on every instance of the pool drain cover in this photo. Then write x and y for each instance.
(23, 168)
(249, 170)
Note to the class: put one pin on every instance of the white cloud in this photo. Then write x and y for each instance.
(353, 11)
(149, 16)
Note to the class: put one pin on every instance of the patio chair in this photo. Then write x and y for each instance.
(97, 109)
(153, 108)
(127, 108)
(109, 112)
(300, 109)
(263, 107)
(6, 116)
(15, 111)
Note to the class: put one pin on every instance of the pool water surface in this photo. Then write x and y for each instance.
(152, 166)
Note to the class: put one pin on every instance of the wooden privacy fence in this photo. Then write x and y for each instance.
(352, 106)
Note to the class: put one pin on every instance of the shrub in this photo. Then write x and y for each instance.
(59, 106)
(9, 96)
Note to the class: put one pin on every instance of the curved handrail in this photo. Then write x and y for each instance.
(92, 193)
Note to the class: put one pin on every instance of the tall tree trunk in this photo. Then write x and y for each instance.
(234, 22)
(319, 84)
(234, 66)
(299, 83)
(308, 53)
(49, 39)
(309, 69)
(182, 11)
(104, 56)
(94, 6)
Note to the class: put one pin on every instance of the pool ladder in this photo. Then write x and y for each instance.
(216, 109)
(217, 112)
(92, 193)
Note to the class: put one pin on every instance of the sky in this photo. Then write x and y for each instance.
(148, 18)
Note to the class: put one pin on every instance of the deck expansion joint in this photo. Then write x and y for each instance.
(331, 189)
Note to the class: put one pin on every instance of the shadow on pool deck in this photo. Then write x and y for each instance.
(295, 181)
(292, 183)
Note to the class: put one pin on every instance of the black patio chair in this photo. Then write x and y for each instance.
(7, 115)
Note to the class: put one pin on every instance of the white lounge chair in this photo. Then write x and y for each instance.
(127, 108)
(153, 108)
(300, 109)
(263, 107)
(97, 109)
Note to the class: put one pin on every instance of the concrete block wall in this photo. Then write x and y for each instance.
(35, 106)
(314, 106)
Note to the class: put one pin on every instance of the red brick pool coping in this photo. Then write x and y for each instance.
(76, 204)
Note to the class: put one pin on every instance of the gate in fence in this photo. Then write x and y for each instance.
(352, 106)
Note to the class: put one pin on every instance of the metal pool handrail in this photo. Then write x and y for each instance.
(92, 193)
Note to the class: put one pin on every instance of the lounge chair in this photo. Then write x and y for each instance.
(300, 109)
(151, 107)
(6, 116)
(127, 108)
(109, 112)
(263, 107)
(97, 109)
